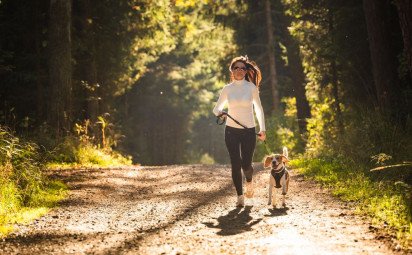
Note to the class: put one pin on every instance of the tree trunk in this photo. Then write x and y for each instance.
(335, 93)
(384, 62)
(334, 74)
(40, 101)
(272, 63)
(298, 83)
(90, 61)
(296, 71)
(60, 70)
(405, 20)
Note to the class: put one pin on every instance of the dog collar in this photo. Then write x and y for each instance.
(278, 171)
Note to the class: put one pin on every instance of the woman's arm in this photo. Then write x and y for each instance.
(220, 102)
(259, 110)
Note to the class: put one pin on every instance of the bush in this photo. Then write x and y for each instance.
(25, 192)
(281, 130)
(89, 155)
(74, 153)
(85, 149)
(20, 164)
(207, 159)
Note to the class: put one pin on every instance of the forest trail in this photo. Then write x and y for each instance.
(190, 209)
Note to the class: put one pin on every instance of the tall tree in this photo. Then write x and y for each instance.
(40, 76)
(297, 72)
(384, 62)
(176, 90)
(60, 69)
(405, 20)
(334, 71)
(273, 77)
(89, 63)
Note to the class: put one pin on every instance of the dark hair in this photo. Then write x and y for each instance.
(253, 73)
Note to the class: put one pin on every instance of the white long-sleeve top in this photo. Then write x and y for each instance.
(241, 96)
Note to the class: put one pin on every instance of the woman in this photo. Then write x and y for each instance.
(241, 95)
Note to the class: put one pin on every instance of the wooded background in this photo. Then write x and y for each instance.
(142, 76)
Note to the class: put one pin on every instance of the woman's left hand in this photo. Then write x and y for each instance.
(262, 136)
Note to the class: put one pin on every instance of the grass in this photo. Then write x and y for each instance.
(25, 192)
(22, 204)
(90, 156)
(12, 210)
(387, 203)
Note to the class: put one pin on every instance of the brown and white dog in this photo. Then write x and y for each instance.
(279, 175)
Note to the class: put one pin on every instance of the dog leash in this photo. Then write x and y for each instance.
(221, 120)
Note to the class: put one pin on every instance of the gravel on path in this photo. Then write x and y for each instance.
(190, 209)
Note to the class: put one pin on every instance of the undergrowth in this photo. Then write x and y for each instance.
(25, 192)
(89, 146)
(388, 203)
(86, 155)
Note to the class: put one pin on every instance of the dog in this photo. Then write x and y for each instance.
(279, 175)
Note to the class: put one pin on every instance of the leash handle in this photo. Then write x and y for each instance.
(221, 119)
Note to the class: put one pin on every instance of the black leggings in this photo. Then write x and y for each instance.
(241, 144)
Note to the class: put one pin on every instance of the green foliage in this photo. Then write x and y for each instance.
(386, 202)
(12, 211)
(282, 131)
(20, 164)
(206, 159)
(278, 135)
(366, 135)
(354, 133)
(25, 193)
(84, 150)
(381, 158)
(88, 155)
(176, 92)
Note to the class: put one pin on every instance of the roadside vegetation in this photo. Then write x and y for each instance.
(25, 192)
(365, 162)
(86, 80)
(386, 201)
(90, 145)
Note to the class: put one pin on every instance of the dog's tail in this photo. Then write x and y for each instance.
(285, 152)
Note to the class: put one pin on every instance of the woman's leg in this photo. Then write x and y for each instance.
(232, 140)
(247, 147)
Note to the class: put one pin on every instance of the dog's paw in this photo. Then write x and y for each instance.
(284, 205)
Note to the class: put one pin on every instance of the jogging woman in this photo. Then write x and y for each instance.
(242, 96)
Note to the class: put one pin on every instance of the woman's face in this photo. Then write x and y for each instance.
(239, 70)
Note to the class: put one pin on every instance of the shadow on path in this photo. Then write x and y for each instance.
(234, 222)
(274, 212)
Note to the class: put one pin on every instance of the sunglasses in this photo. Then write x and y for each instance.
(236, 68)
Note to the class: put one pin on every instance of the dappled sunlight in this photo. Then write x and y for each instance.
(148, 213)
(133, 172)
(286, 241)
(125, 102)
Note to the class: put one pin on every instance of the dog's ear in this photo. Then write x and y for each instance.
(285, 159)
(268, 161)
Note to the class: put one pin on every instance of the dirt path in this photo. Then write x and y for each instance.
(190, 209)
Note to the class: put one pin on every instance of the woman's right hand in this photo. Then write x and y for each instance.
(221, 118)
(222, 114)
(262, 136)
